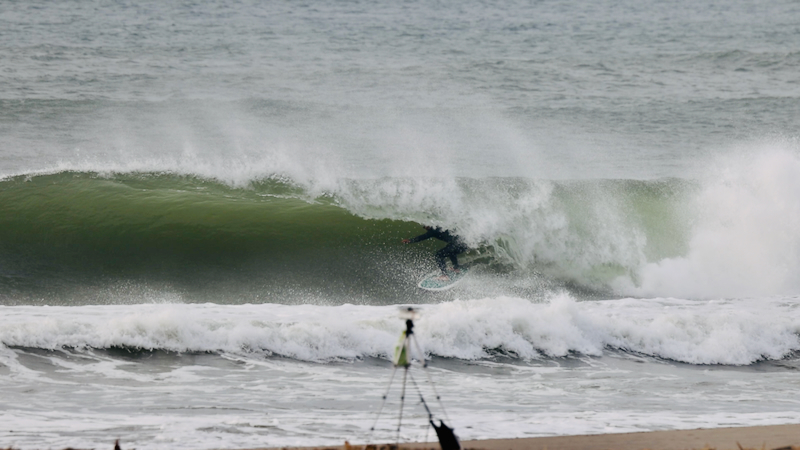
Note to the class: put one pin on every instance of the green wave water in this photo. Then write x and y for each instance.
(85, 237)
(72, 235)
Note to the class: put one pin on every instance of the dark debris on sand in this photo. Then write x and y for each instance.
(348, 446)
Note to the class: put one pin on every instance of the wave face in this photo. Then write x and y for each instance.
(90, 237)
(125, 235)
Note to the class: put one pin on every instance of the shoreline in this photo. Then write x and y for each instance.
(768, 437)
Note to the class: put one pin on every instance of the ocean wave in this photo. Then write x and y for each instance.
(696, 332)
(172, 229)
(279, 239)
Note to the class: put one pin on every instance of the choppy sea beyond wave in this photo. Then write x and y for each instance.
(202, 206)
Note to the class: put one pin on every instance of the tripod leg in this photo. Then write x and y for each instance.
(383, 403)
(421, 398)
(430, 380)
(402, 400)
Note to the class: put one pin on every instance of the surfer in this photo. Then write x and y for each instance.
(454, 246)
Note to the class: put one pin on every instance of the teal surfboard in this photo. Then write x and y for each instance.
(431, 282)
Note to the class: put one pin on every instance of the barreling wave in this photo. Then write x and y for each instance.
(273, 239)
(88, 237)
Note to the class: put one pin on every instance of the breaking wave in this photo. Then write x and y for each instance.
(697, 332)
(91, 237)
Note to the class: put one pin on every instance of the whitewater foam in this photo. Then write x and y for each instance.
(744, 238)
(736, 332)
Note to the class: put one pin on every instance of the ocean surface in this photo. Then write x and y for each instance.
(202, 205)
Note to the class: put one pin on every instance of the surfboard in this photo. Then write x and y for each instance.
(432, 283)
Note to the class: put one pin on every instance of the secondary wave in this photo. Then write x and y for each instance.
(736, 332)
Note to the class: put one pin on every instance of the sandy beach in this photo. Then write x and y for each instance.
(785, 437)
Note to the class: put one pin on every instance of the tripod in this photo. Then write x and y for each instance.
(402, 358)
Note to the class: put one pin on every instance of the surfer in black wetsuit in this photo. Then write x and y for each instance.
(454, 246)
